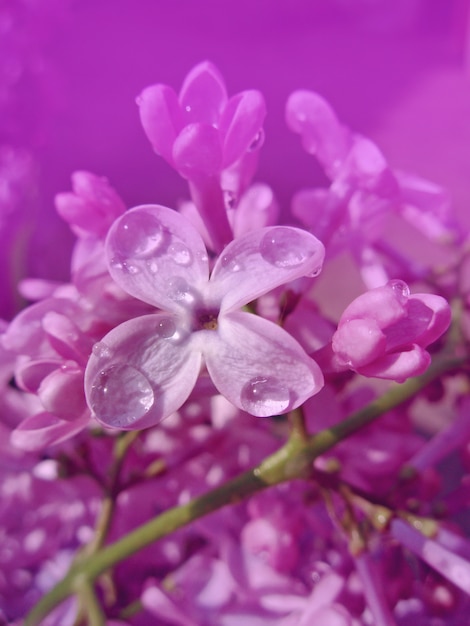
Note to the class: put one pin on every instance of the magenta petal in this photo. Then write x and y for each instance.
(161, 118)
(311, 116)
(241, 125)
(380, 304)
(358, 342)
(400, 366)
(258, 366)
(203, 94)
(262, 260)
(61, 393)
(141, 372)
(29, 375)
(25, 334)
(257, 209)
(157, 256)
(197, 151)
(43, 429)
(92, 206)
(441, 316)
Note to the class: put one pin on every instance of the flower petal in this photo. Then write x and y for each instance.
(258, 366)
(141, 372)
(261, 260)
(398, 366)
(197, 152)
(203, 94)
(161, 118)
(157, 256)
(42, 430)
(241, 125)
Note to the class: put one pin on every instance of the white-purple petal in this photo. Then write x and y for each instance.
(258, 366)
(157, 256)
(261, 260)
(141, 372)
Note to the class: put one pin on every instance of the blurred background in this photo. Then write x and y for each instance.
(70, 71)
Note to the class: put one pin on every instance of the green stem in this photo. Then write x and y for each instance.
(293, 460)
(89, 604)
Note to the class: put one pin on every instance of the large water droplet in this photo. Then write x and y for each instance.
(284, 247)
(264, 396)
(180, 253)
(120, 395)
(138, 234)
(166, 327)
(400, 289)
(257, 142)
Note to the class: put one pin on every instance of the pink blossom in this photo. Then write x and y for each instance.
(384, 333)
(145, 368)
(211, 140)
(367, 205)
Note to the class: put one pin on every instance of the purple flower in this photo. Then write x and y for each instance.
(145, 368)
(211, 140)
(384, 332)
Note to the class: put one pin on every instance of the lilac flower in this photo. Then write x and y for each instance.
(145, 369)
(366, 201)
(384, 333)
(210, 140)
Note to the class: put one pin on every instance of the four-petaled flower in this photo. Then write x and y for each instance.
(145, 368)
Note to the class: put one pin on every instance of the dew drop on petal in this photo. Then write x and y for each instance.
(400, 289)
(153, 266)
(101, 350)
(231, 263)
(120, 395)
(180, 253)
(257, 142)
(284, 247)
(166, 327)
(264, 396)
(138, 234)
(179, 290)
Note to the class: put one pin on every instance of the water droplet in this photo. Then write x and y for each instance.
(188, 108)
(138, 234)
(230, 199)
(315, 272)
(400, 289)
(179, 290)
(264, 396)
(121, 395)
(166, 327)
(116, 263)
(153, 266)
(284, 247)
(231, 263)
(101, 350)
(258, 141)
(180, 253)
(129, 268)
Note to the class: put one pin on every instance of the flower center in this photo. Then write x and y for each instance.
(206, 320)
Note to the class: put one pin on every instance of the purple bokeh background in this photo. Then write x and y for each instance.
(396, 72)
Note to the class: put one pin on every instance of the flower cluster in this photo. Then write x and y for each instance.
(135, 391)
